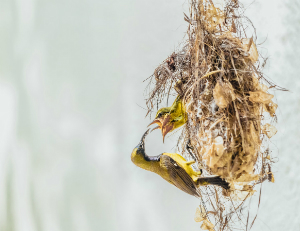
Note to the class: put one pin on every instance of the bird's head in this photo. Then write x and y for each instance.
(170, 118)
(162, 119)
(159, 118)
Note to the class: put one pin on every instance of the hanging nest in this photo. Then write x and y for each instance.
(217, 71)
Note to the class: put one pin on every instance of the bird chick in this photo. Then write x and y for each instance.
(175, 169)
(170, 118)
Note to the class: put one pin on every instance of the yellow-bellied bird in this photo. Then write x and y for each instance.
(170, 118)
(174, 169)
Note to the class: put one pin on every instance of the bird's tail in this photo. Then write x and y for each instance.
(215, 180)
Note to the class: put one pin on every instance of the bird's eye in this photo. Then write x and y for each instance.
(159, 115)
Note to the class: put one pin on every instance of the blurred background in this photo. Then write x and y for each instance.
(72, 109)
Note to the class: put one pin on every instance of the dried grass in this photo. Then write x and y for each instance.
(218, 73)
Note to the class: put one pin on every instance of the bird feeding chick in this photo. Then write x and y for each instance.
(170, 118)
(175, 169)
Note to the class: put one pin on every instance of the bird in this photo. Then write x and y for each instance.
(175, 169)
(170, 118)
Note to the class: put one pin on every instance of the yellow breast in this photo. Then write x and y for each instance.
(152, 166)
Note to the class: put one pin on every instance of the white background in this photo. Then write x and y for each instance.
(72, 110)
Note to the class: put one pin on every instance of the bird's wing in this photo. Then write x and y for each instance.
(179, 177)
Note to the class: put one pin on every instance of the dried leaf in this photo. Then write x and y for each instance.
(247, 177)
(238, 195)
(214, 17)
(248, 188)
(260, 97)
(270, 107)
(200, 214)
(220, 97)
(214, 152)
(263, 87)
(269, 130)
(223, 95)
(207, 225)
(249, 46)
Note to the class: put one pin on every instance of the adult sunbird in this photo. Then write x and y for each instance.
(175, 169)
(170, 118)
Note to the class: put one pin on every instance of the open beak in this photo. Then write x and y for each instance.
(163, 124)
(166, 126)
(156, 121)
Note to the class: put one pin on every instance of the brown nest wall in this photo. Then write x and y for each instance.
(217, 73)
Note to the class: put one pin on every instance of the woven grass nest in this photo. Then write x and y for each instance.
(217, 71)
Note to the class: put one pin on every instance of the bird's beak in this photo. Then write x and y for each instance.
(140, 148)
(158, 122)
(166, 130)
(144, 136)
(166, 126)
(163, 124)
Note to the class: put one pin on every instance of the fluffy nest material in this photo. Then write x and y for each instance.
(217, 72)
(218, 75)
